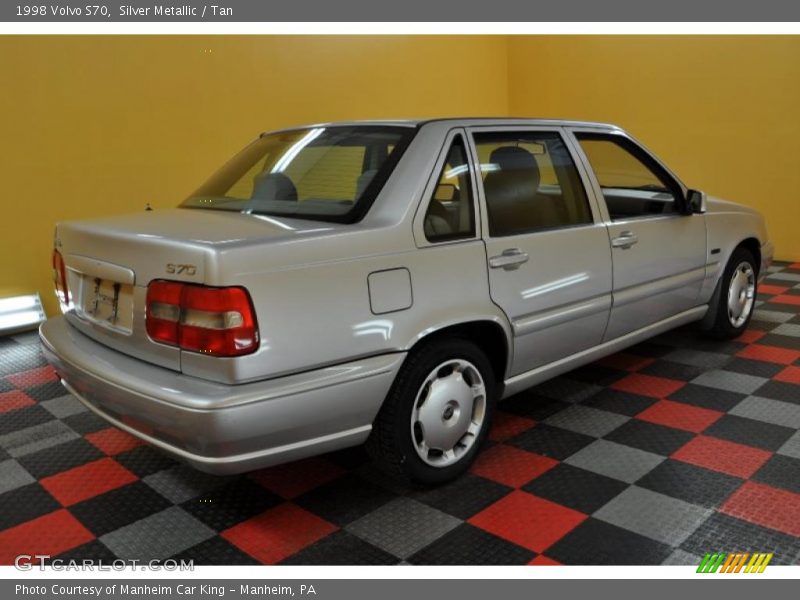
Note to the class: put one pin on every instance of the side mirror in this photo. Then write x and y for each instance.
(695, 202)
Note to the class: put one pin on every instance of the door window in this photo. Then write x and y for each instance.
(530, 182)
(633, 184)
(451, 213)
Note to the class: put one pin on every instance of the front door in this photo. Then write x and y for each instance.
(548, 255)
(658, 250)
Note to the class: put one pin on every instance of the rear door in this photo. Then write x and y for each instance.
(548, 255)
(658, 250)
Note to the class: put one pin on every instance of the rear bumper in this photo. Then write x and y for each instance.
(222, 428)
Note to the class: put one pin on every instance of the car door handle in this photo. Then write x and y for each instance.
(510, 259)
(625, 240)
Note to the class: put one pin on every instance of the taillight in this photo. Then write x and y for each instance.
(209, 320)
(60, 279)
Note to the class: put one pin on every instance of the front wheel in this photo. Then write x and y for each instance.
(737, 296)
(437, 414)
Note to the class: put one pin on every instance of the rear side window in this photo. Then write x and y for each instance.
(530, 182)
(633, 184)
(451, 213)
(326, 173)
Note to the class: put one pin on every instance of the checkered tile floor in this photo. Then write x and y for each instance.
(656, 455)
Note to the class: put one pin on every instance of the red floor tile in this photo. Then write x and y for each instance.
(50, 534)
(790, 374)
(750, 336)
(625, 361)
(771, 289)
(723, 456)
(680, 415)
(13, 400)
(783, 356)
(33, 377)
(292, 479)
(528, 521)
(766, 506)
(785, 299)
(647, 385)
(277, 533)
(87, 481)
(112, 441)
(506, 426)
(544, 561)
(511, 466)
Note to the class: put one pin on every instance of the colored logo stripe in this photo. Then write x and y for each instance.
(733, 563)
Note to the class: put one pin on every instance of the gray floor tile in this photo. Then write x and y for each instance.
(698, 358)
(790, 329)
(654, 515)
(792, 446)
(682, 558)
(64, 406)
(38, 437)
(784, 276)
(769, 411)
(587, 420)
(13, 476)
(615, 460)
(730, 381)
(158, 536)
(771, 316)
(403, 526)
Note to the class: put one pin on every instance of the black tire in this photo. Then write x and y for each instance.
(390, 443)
(721, 327)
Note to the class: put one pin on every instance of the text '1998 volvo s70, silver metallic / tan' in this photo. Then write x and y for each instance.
(387, 282)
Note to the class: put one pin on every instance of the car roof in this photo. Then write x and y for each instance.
(464, 122)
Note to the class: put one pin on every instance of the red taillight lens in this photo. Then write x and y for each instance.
(215, 321)
(60, 278)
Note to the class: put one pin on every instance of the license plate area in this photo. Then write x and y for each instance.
(107, 303)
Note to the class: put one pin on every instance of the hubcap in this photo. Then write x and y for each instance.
(741, 294)
(448, 413)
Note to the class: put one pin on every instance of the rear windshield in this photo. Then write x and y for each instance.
(324, 173)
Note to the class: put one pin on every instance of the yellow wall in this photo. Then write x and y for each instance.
(102, 125)
(722, 112)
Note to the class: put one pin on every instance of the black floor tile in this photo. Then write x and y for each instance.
(464, 497)
(23, 418)
(650, 437)
(468, 545)
(117, 508)
(672, 370)
(781, 341)
(60, 458)
(623, 403)
(341, 548)
(750, 432)
(46, 391)
(595, 542)
(144, 460)
(758, 368)
(95, 552)
(779, 390)
(550, 441)
(25, 504)
(707, 397)
(695, 485)
(344, 500)
(722, 533)
(597, 374)
(215, 552)
(534, 407)
(85, 422)
(780, 471)
(575, 488)
(232, 503)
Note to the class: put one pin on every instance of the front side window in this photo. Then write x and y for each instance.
(451, 213)
(324, 173)
(633, 185)
(530, 182)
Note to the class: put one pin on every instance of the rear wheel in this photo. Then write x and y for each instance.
(437, 414)
(737, 296)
